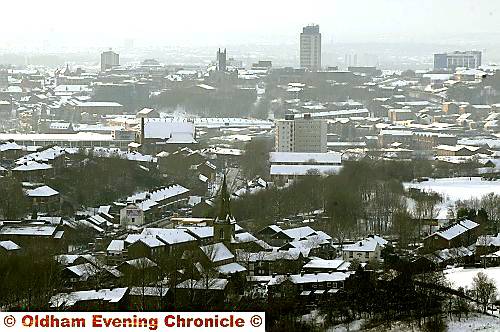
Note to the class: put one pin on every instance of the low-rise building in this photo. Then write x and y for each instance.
(290, 165)
(364, 251)
(462, 233)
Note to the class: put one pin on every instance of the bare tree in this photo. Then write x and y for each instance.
(484, 290)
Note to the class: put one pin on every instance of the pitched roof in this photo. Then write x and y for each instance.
(456, 229)
(167, 235)
(10, 146)
(334, 264)
(70, 299)
(31, 166)
(160, 194)
(68, 259)
(116, 245)
(217, 252)
(43, 191)
(244, 237)
(296, 233)
(201, 232)
(9, 245)
(231, 268)
(365, 245)
(274, 228)
(142, 262)
(83, 271)
(151, 242)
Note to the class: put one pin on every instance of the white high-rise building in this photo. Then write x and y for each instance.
(310, 48)
(300, 134)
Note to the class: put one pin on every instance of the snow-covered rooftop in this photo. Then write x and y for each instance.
(297, 233)
(231, 268)
(32, 166)
(29, 230)
(116, 245)
(43, 191)
(304, 157)
(166, 128)
(328, 264)
(217, 252)
(70, 299)
(365, 245)
(167, 235)
(9, 245)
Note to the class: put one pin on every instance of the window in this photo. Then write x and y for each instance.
(367, 254)
(351, 254)
(133, 220)
(221, 234)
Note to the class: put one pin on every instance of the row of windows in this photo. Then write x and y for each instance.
(351, 254)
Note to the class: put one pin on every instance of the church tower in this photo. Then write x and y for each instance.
(224, 223)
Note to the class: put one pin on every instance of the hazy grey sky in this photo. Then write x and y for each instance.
(36, 24)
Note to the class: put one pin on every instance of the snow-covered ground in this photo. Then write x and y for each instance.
(455, 189)
(462, 277)
(355, 325)
(461, 188)
(476, 322)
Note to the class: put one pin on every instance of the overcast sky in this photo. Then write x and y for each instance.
(54, 24)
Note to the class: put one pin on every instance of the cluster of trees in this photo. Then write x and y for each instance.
(255, 160)
(223, 102)
(13, 203)
(422, 301)
(484, 290)
(29, 280)
(484, 210)
(385, 300)
(365, 196)
(92, 180)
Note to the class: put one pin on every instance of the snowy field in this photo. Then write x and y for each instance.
(478, 322)
(455, 189)
(462, 277)
(461, 188)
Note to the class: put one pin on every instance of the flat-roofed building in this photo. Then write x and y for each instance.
(100, 107)
(109, 59)
(290, 165)
(310, 48)
(452, 60)
(301, 134)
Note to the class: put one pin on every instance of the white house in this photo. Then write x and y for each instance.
(366, 250)
(131, 215)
